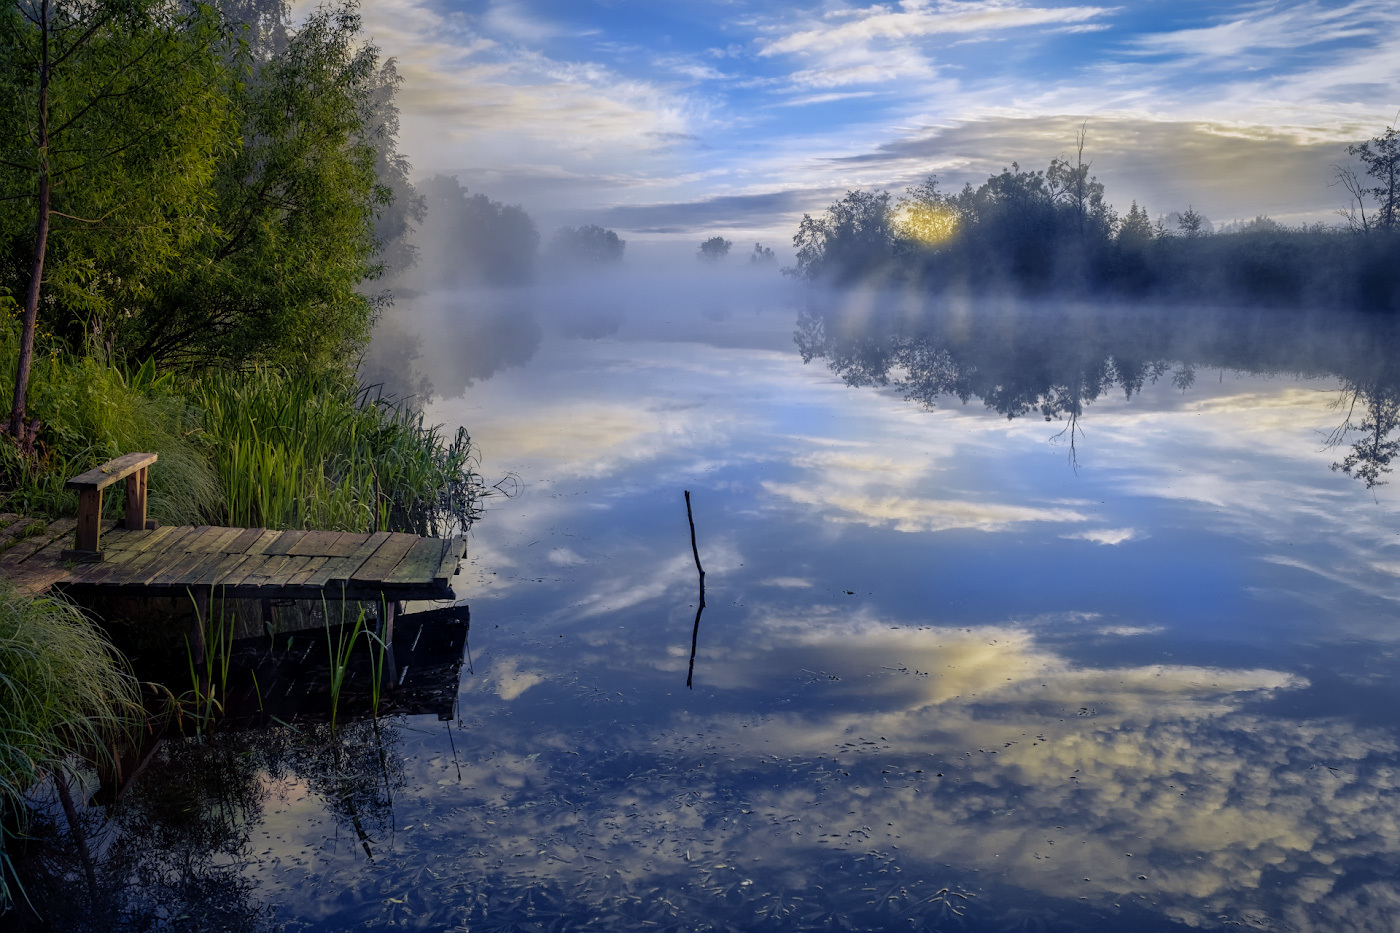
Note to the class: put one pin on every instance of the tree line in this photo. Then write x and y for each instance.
(214, 186)
(1053, 232)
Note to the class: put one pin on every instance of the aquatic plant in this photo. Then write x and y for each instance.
(319, 452)
(204, 701)
(63, 691)
(339, 652)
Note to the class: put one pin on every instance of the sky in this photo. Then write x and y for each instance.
(677, 120)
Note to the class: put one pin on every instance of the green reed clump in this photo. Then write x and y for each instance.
(318, 452)
(63, 691)
(91, 412)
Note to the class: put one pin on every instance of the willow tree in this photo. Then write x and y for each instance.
(112, 116)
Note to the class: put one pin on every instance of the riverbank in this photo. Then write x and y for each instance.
(255, 448)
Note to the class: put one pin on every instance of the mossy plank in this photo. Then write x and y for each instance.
(315, 543)
(382, 562)
(419, 564)
(451, 559)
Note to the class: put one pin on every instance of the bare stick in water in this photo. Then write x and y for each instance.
(695, 632)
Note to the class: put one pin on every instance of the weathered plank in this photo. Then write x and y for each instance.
(385, 559)
(419, 564)
(314, 543)
(143, 563)
(250, 567)
(25, 549)
(285, 541)
(313, 564)
(12, 530)
(130, 551)
(451, 558)
(101, 477)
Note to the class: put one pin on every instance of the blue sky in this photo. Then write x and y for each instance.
(668, 120)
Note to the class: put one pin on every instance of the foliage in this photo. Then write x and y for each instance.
(1381, 157)
(855, 237)
(92, 413)
(715, 249)
(315, 452)
(277, 278)
(1041, 232)
(761, 255)
(112, 116)
(471, 239)
(63, 691)
(586, 245)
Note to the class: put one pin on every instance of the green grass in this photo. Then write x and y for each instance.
(89, 413)
(63, 692)
(319, 453)
(248, 448)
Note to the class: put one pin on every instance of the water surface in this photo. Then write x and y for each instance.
(1017, 618)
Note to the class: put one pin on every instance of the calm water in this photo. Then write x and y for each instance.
(954, 671)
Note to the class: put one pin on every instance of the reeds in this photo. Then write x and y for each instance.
(63, 691)
(316, 452)
(204, 701)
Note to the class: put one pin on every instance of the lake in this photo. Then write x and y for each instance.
(1016, 617)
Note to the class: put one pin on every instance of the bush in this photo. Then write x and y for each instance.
(63, 691)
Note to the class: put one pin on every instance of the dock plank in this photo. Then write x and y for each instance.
(451, 559)
(382, 562)
(419, 564)
(244, 562)
(31, 546)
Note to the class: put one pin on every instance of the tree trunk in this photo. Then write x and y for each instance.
(19, 431)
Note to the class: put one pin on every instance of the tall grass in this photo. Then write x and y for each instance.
(91, 412)
(63, 691)
(317, 452)
(249, 448)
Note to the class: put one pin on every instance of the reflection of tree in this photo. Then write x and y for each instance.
(1016, 372)
(1056, 362)
(175, 852)
(1376, 446)
(172, 857)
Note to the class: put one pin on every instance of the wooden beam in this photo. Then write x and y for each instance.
(110, 472)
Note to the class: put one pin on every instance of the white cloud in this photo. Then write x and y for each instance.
(1104, 535)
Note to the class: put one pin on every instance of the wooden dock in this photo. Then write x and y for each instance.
(237, 563)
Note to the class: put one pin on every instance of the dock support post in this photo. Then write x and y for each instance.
(388, 610)
(201, 618)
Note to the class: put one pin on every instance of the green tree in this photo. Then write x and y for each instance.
(278, 278)
(854, 237)
(471, 239)
(761, 255)
(1135, 228)
(113, 114)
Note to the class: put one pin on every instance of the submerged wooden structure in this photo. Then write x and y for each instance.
(91, 557)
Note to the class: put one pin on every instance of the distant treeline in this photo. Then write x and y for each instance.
(470, 239)
(1052, 232)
